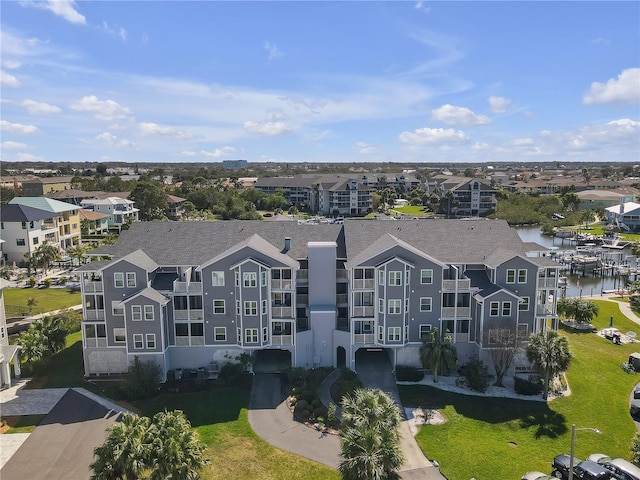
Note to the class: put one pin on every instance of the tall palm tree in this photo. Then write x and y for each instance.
(438, 353)
(585, 311)
(78, 252)
(45, 255)
(550, 355)
(369, 438)
(33, 346)
(52, 330)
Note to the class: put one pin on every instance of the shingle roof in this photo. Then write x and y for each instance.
(23, 213)
(44, 203)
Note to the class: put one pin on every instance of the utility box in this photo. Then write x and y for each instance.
(634, 361)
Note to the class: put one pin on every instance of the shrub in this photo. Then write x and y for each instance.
(301, 404)
(627, 368)
(332, 412)
(47, 282)
(304, 415)
(320, 412)
(297, 376)
(32, 282)
(292, 401)
(405, 373)
(526, 387)
(476, 375)
(141, 380)
(232, 373)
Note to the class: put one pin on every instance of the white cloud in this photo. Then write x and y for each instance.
(452, 115)
(624, 89)
(8, 80)
(481, 146)
(11, 64)
(267, 128)
(521, 142)
(106, 110)
(188, 153)
(17, 127)
(63, 8)
(40, 108)
(424, 136)
(27, 157)
(219, 152)
(153, 129)
(364, 148)
(272, 50)
(114, 30)
(601, 41)
(499, 104)
(422, 7)
(8, 145)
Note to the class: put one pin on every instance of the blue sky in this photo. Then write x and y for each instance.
(320, 81)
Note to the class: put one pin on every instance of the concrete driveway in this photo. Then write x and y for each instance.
(61, 446)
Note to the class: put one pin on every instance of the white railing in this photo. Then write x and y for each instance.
(364, 283)
(302, 276)
(181, 314)
(363, 311)
(281, 339)
(302, 299)
(179, 286)
(547, 282)
(197, 340)
(182, 341)
(542, 310)
(281, 312)
(343, 275)
(450, 285)
(192, 287)
(196, 314)
(364, 338)
(453, 312)
(95, 342)
(281, 284)
(94, 314)
(342, 298)
(93, 287)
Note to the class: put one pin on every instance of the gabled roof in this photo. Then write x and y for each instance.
(44, 203)
(106, 201)
(175, 199)
(23, 213)
(91, 215)
(150, 293)
(140, 259)
(628, 207)
(384, 243)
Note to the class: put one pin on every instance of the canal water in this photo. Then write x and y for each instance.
(576, 284)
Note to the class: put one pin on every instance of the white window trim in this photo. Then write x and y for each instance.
(429, 328)
(508, 306)
(263, 278)
(430, 309)
(123, 334)
(217, 278)
(248, 308)
(149, 309)
(136, 310)
(381, 278)
(253, 333)
(115, 306)
(249, 280)
(118, 276)
(497, 314)
(138, 338)
(427, 271)
(395, 278)
(392, 304)
(515, 275)
(522, 270)
(393, 332)
(524, 302)
(152, 337)
(215, 335)
(131, 276)
(224, 306)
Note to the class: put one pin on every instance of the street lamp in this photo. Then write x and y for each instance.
(573, 445)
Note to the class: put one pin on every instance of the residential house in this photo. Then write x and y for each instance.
(93, 223)
(174, 202)
(625, 215)
(467, 197)
(592, 199)
(189, 295)
(8, 353)
(66, 218)
(39, 186)
(120, 210)
(24, 229)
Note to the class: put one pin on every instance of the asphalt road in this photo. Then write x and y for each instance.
(61, 446)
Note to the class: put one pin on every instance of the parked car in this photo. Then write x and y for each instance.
(536, 476)
(636, 392)
(589, 470)
(560, 465)
(634, 409)
(622, 469)
(600, 458)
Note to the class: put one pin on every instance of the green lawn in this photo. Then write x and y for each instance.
(22, 423)
(598, 229)
(47, 299)
(517, 436)
(415, 210)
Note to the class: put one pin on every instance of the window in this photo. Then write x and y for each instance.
(197, 329)
(426, 276)
(182, 329)
(506, 309)
(148, 312)
(117, 308)
(264, 307)
(523, 305)
(250, 279)
(20, 242)
(380, 333)
(511, 276)
(118, 279)
(251, 335)
(136, 312)
(24, 225)
(265, 334)
(263, 278)
(36, 240)
(494, 309)
(97, 330)
(394, 334)
(220, 334)
(381, 277)
(407, 275)
(251, 308)
(217, 279)
(406, 305)
(381, 305)
(137, 341)
(395, 278)
(394, 306)
(151, 340)
(119, 335)
(425, 331)
(425, 304)
(522, 276)
(239, 332)
(218, 307)
(523, 331)
(131, 280)
(237, 275)
(499, 336)
(237, 307)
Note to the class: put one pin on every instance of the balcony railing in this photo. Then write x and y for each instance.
(450, 285)
(364, 283)
(364, 338)
(451, 312)
(282, 312)
(343, 276)
(188, 314)
(182, 341)
(461, 338)
(543, 310)
(302, 276)
(94, 314)
(302, 299)
(191, 287)
(547, 282)
(95, 342)
(281, 339)
(281, 284)
(93, 287)
(363, 311)
(197, 340)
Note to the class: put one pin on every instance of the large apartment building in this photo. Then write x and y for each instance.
(192, 294)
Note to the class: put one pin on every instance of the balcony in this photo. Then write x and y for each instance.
(363, 311)
(188, 314)
(93, 287)
(197, 340)
(281, 284)
(364, 338)
(456, 312)
(463, 284)
(342, 299)
(281, 339)
(182, 341)
(343, 276)
(94, 314)
(461, 338)
(359, 283)
(547, 282)
(95, 342)
(542, 310)
(190, 287)
(302, 277)
(282, 312)
(302, 299)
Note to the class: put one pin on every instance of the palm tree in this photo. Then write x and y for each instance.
(566, 306)
(586, 310)
(52, 329)
(78, 252)
(438, 353)
(178, 453)
(369, 438)
(124, 454)
(549, 353)
(45, 255)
